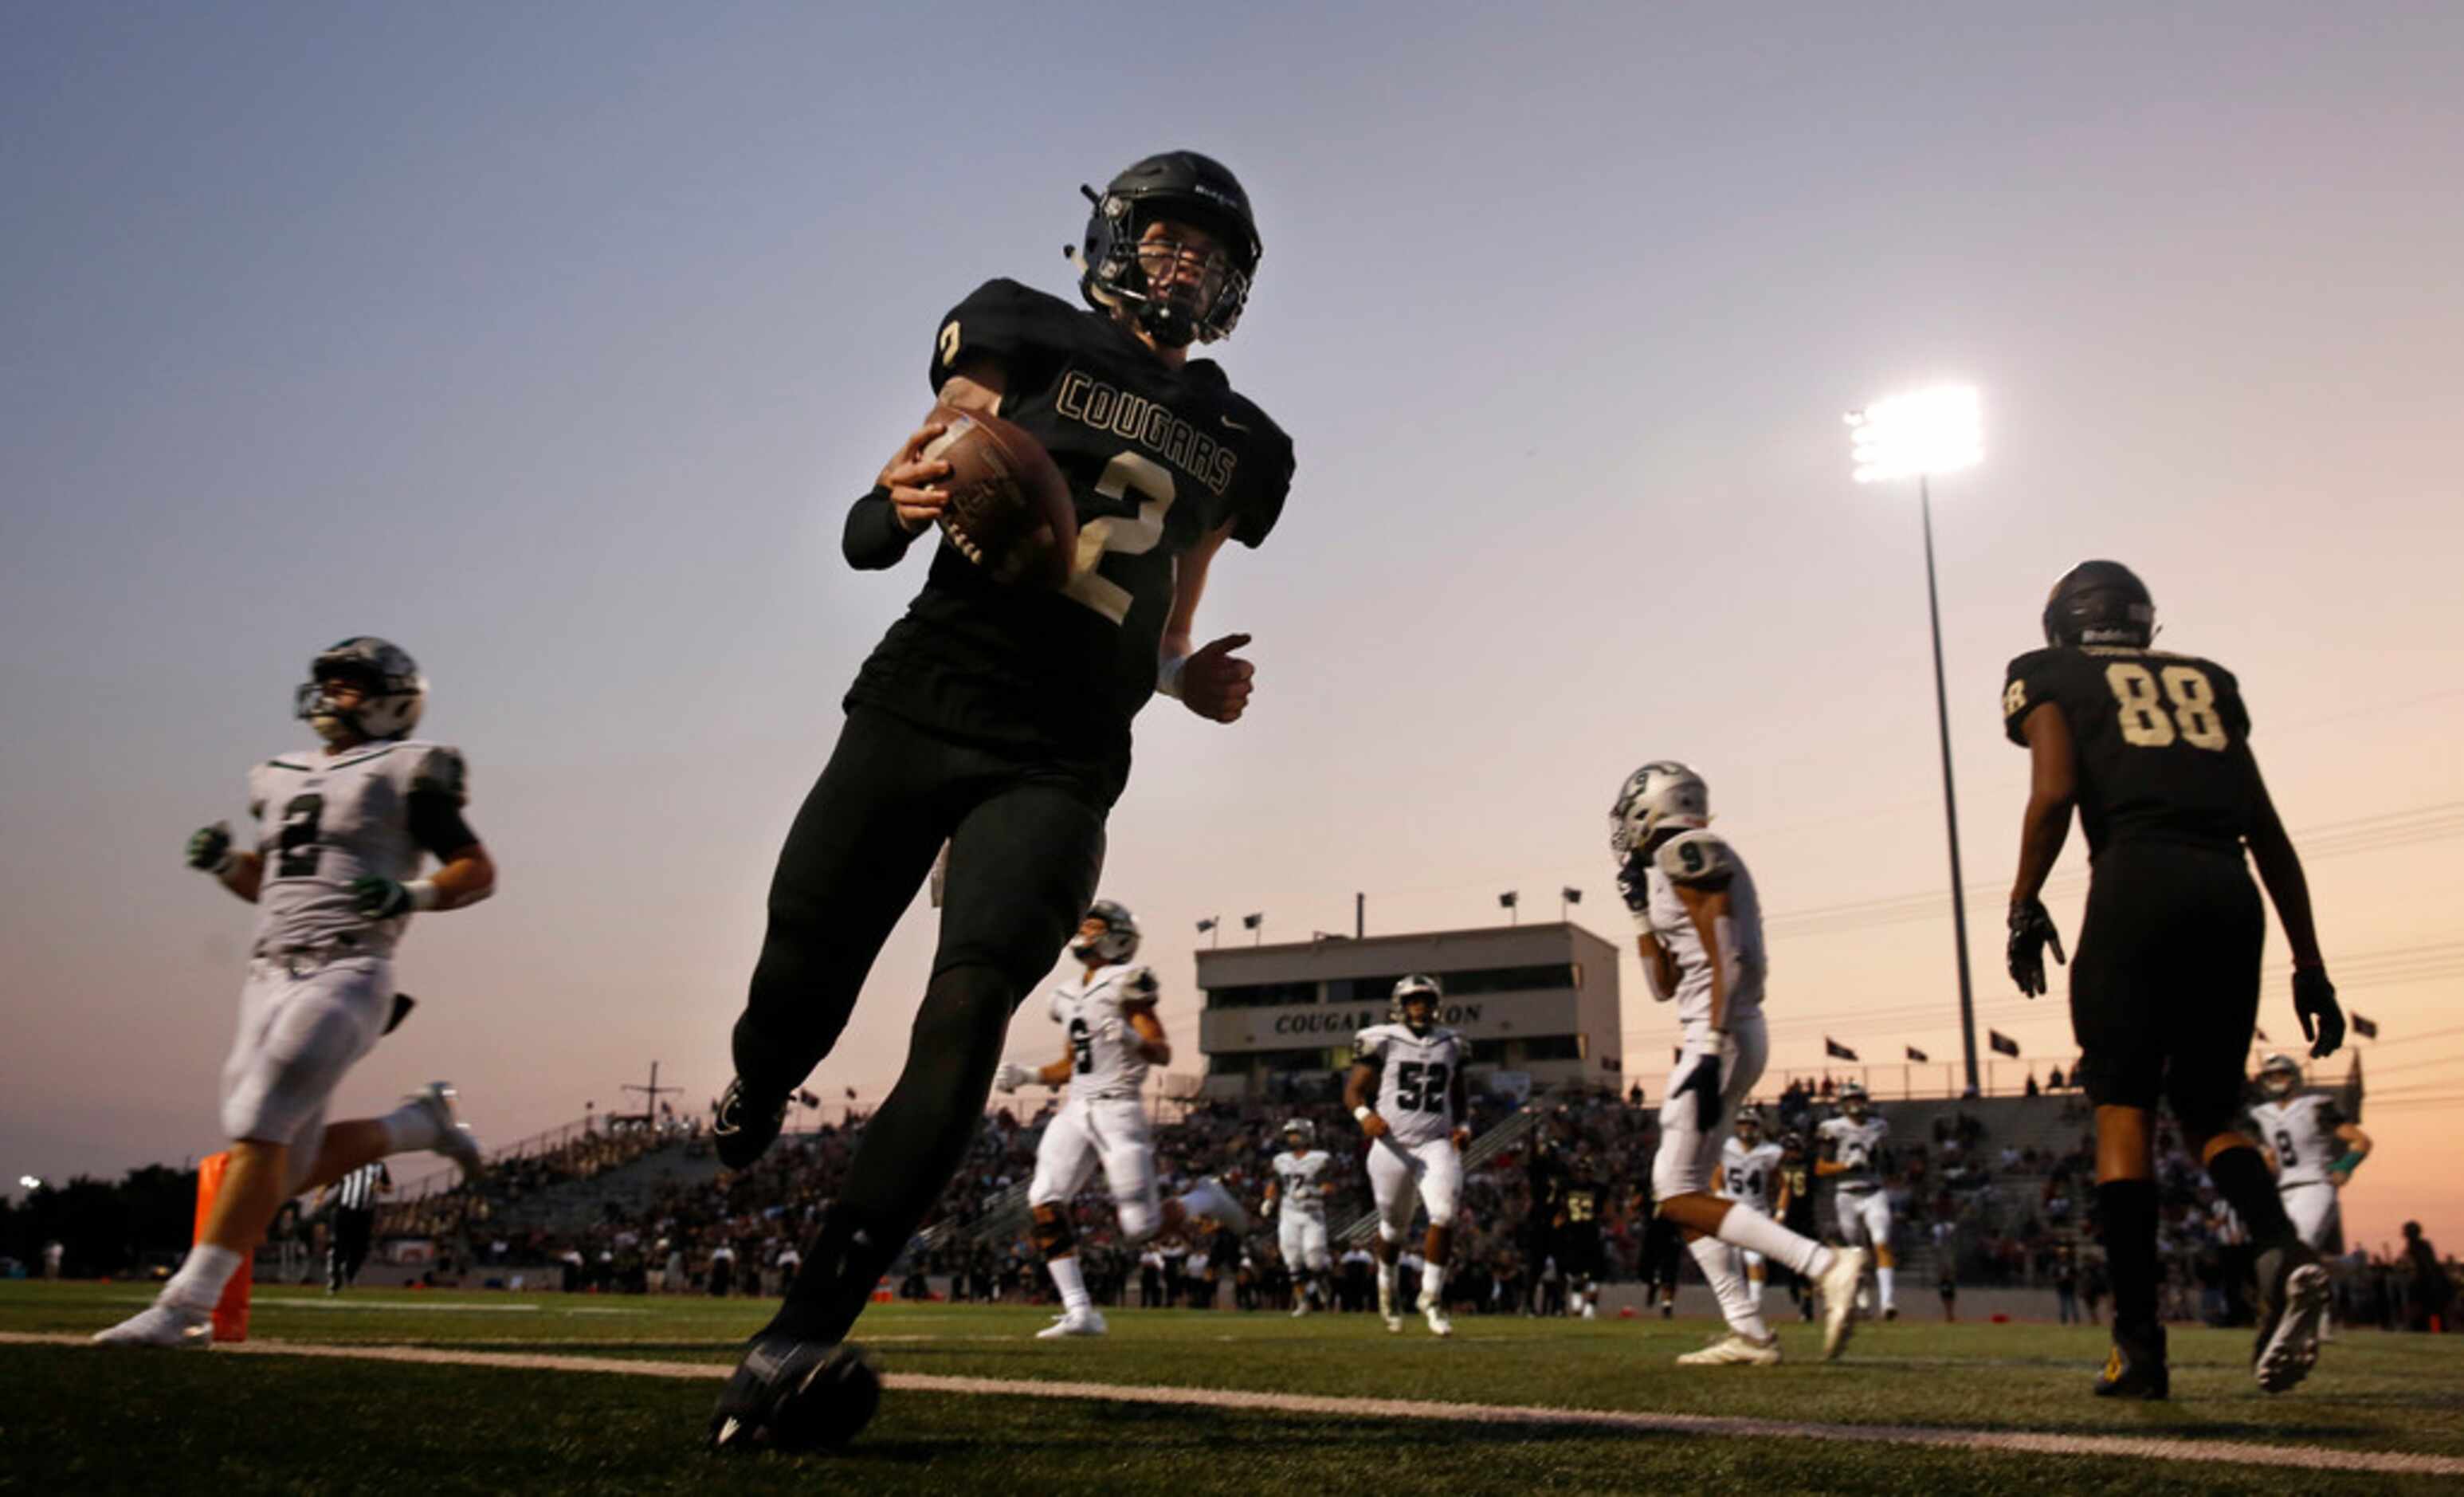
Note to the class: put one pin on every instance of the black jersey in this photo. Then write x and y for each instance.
(1545, 1175)
(1584, 1206)
(1155, 458)
(2158, 739)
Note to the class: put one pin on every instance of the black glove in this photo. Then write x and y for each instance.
(380, 898)
(1703, 1081)
(2032, 931)
(2323, 1020)
(210, 847)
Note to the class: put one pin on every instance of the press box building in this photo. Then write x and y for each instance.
(1539, 1003)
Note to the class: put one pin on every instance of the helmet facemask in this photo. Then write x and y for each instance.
(2279, 1078)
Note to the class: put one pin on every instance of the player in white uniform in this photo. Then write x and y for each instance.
(1413, 1066)
(1699, 928)
(1851, 1149)
(1748, 1174)
(2312, 1148)
(1304, 1178)
(339, 836)
(1110, 1035)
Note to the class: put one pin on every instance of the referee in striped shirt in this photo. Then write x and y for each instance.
(354, 1198)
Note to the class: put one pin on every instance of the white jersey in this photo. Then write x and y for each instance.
(1703, 859)
(323, 819)
(1300, 1180)
(1747, 1175)
(1859, 1146)
(1415, 1076)
(1107, 1058)
(2301, 1130)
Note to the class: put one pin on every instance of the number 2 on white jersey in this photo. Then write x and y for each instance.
(1136, 536)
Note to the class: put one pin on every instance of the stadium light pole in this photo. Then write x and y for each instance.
(1918, 435)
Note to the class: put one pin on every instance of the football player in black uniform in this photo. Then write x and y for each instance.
(1582, 1209)
(2153, 750)
(996, 719)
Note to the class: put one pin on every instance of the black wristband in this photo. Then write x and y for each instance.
(874, 538)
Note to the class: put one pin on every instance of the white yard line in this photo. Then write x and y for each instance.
(2129, 1447)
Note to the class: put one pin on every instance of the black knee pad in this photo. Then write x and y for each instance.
(1051, 1234)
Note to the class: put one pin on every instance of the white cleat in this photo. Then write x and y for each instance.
(162, 1324)
(1210, 1200)
(1838, 1287)
(1436, 1311)
(1300, 1306)
(2290, 1353)
(454, 1138)
(1088, 1322)
(1734, 1350)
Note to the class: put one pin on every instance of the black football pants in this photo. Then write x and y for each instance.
(1026, 842)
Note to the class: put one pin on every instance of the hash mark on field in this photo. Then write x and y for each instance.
(2312, 1458)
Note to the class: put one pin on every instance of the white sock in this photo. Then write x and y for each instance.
(1070, 1281)
(1888, 1276)
(1756, 1233)
(410, 1127)
(199, 1284)
(1433, 1279)
(1719, 1267)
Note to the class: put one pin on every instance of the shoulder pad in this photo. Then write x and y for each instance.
(1696, 857)
(2028, 682)
(1138, 985)
(1017, 326)
(1267, 479)
(1370, 1044)
(438, 769)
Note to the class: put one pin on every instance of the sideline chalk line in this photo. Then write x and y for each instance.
(2134, 1447)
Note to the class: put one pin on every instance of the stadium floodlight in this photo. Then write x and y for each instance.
(1923, 433)
(30, 1181)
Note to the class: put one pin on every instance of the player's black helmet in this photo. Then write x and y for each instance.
(1185, 187)
(2101, 602)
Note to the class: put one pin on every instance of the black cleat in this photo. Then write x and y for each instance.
(744, 1129)
(2292, 1305)
(790, 1395)
(2139, 1374)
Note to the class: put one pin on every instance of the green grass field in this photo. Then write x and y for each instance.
(76, 1419)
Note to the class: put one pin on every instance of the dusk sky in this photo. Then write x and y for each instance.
(552, 343)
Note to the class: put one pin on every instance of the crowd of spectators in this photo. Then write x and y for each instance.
(1993, 1214)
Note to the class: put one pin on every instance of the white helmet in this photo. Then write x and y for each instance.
(1417, 985)
(1854, 1100)
(2280, 1075)
(1662, 794)
(391, 690)
(1116, 942)
(1300, 1133)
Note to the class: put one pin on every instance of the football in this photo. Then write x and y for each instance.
(1009, 511)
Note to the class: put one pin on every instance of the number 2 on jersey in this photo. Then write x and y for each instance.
(1130, 536)
(297, 844)
(2145, 720)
